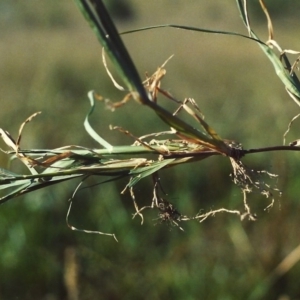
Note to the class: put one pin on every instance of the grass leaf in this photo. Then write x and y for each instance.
(290, 81)
(89, 128)
(142, 172)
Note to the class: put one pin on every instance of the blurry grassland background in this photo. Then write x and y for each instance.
(50, 59)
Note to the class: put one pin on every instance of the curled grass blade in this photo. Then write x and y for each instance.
(89, 128)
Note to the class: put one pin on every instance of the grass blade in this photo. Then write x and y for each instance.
(89, 128)
(290, 81)
(191, 28)
(140, 173)
(99, 19)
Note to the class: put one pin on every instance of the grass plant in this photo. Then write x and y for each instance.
(145, 159)
(187, 144)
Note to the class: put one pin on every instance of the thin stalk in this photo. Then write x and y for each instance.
(269, 149)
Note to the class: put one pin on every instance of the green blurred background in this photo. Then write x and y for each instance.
(50, 59)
